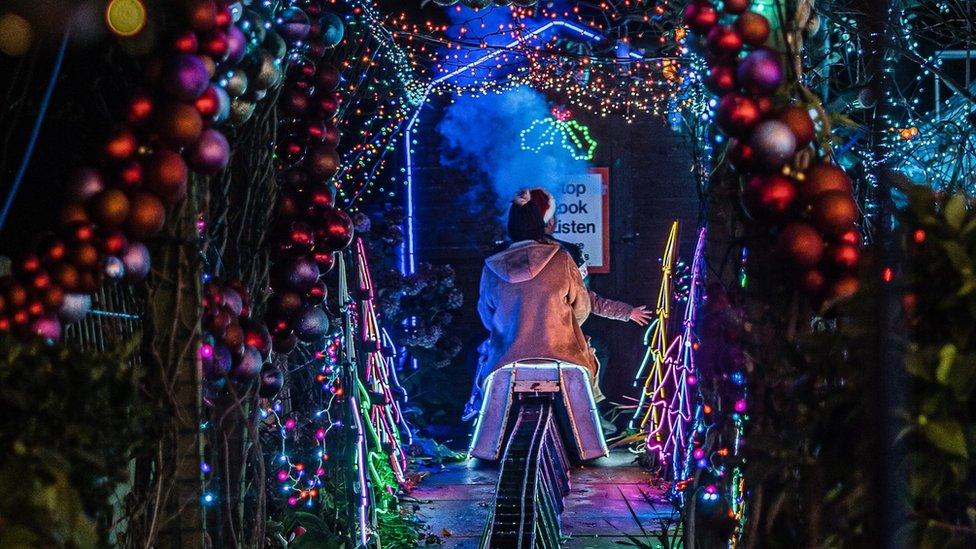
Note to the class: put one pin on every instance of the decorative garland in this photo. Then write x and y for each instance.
(562, 129)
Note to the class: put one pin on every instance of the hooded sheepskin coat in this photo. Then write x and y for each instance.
(532, 301)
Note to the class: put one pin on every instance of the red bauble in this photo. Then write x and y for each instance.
(287, 304)
(800, 245)
(321, 198)
(736, 114)
(140, 109)
(842, 289)
(186, 42)
(326, 77)
(83, 255)
(201, 15)
(741, 155)
(853, 237)
(166, 174)
(735, 7)
(812, 282)
(112, 241)
(289, 205)
(799, 122)
(700, 16)
(179, 124)
(318, 293)
(284, 342)
(843, 256)
(823, 177)
(752, 28)
(215, 44)
(335, 230)
(768, 197)
(721, 79)
(325, 260)
(834, 212)
(130, 174)
(223, 18)
(120, 145)
(723, 41)
(326, 105)
(301, 235)
(321, 161)
(294, 101)
(146, 215)
(110, 207)
(208, 104)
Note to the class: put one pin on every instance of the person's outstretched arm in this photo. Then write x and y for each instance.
(579, 296)
(618, 310)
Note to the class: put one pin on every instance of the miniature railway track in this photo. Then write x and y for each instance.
(532, 481)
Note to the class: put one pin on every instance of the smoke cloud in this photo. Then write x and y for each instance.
(482, 134)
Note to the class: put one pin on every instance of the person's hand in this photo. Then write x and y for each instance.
(640, 315)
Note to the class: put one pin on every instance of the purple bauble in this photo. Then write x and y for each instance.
(186, 77)
(210, 153)
(232, 301)
(761, 72)
(84, 184)
(313, 325)
(332, 29)
(236, 45)
(47, 327)
(298, 274)
(249, 364)
(292, 24)
(136, 261)
(272, 380)
(75, 307)
(773, 142)
(219, 364)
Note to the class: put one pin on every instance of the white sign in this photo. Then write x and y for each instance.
(582, 216)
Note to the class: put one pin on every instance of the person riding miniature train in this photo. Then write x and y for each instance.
(533, 298)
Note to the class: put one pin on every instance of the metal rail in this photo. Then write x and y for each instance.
(532, 481)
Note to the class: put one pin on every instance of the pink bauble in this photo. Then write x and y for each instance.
(236, 45)
(773, 142)
(136, 261)
(210, 153)
(761, 72)
(84, 184)
(47, 327)
(186, 77)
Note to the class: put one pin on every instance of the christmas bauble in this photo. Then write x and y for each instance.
(186, 42)
(735, 7)
(272, 379)
(210, 153)
(110, 207)
(721, 79)
(201, 15)
(741, 155)
(130, 174)
(736, 114)
(326, 104)
(215, 45)
(773, 142)
(723, 41)
(264, 72)
(146, 216)
(223, 105)
(233, 337)
(800, 124)
(319, 291)
(761, 72)
(47, 327)
(800, 245)
(240, 111)
(335, 230)
(294, 101)
(823, 177)
(208, 104)
(179, 124)
(256, 335)
(753, 28)
(332, 29)
(140, 109)
(312, 325)
(220, 362)
(231, 300)
(120, 145)
(326, 77)
(325, 260)
(186, 77)
(136, 261)
(812, 282)
(166, 175)
(284, 343)
(236, 83)
(298, 273)
(112, 241)
(85, 183)
(768, 197)
(321, 161)
(236, 45)
(842, 289)
(113, 268)
(834, 212)
(700, 16)
(320, 198)
(290, 149)
(75, 307)
(292, 24)
(843, 256)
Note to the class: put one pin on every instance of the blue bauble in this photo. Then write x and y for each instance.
(292, 24)
(332, 29)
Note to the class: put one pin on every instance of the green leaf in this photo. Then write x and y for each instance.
(958, 256)
(947, 436)
(955, 211)
(947, 355)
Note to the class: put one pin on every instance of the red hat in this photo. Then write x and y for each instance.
(543, 200)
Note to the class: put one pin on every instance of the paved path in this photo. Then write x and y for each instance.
(455, 500)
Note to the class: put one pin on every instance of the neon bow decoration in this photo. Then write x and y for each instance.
(559, 129)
